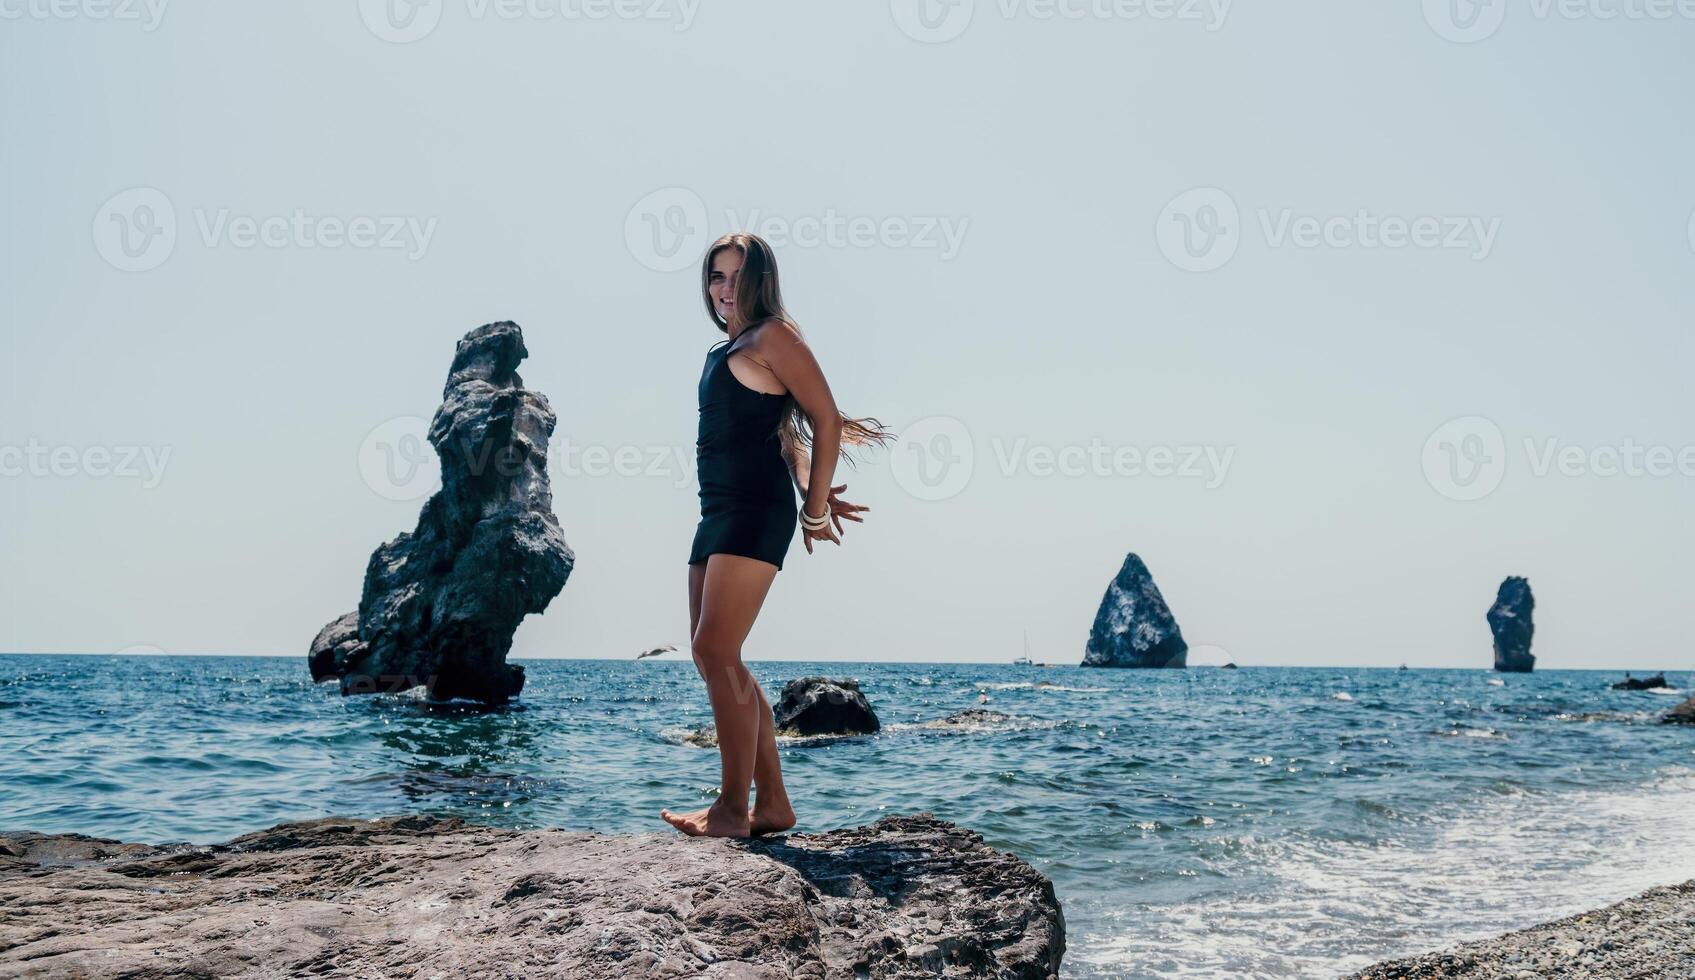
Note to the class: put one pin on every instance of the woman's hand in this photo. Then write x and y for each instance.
(838, 510)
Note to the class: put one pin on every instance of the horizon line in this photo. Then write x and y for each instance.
(905, 663)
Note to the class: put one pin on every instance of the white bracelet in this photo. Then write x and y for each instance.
(814, 523)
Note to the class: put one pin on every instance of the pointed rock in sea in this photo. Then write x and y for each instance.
(1134, 627)
(1511, 621)
(440, 604)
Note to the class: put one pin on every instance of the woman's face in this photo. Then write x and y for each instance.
(721, 281)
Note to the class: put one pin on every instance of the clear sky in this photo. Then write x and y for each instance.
(1206, 282)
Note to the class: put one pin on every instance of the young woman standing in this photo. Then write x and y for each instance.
(764, 404)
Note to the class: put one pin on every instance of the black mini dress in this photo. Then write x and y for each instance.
(747, 496)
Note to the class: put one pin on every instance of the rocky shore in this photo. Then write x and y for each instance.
(426, 897)
(1651, 935)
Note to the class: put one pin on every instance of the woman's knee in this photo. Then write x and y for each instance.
(713, 653)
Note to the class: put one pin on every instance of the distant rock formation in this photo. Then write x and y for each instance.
(1683, 714)
(1133, 627)
(1641, 683)
(440, 604)
(821, 706)
(1510, 620)
(901, 899)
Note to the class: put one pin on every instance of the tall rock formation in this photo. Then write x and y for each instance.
(1510, 620)
(1134, 627)
(440, 604)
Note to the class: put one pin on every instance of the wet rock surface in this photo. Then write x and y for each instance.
(440, 604)
(1683, 714)
(1649, 935)
(907, 897)
(822, 706)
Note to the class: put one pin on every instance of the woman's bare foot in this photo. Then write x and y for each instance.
(770, 818)
(714, 821)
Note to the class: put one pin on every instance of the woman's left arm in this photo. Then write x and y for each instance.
(791, 360)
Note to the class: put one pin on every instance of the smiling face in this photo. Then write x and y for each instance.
(721, 281)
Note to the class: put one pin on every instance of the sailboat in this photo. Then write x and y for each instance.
(1025, 660)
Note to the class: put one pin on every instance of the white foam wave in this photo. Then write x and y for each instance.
(1319, 907)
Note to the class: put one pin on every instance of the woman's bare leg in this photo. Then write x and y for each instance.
(732, 590)
(772, 812)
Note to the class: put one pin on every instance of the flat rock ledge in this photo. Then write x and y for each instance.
(431, 897)
(1648, 935)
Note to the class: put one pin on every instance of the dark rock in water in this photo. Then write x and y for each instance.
(1683, 714)
(1641, 683)
(1510, 620)
(1133, 627)
(441, 603)
(328, 659)
(901, 899)
(821, 706)
(1230, 666)
(972, 717)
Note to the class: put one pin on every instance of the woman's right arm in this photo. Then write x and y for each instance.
(799, 468)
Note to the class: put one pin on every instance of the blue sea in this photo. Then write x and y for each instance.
(1263, 822)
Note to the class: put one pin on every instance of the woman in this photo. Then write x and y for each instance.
(760, 392)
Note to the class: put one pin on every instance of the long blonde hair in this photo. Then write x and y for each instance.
(757, 299)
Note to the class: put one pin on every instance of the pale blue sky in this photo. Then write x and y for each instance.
(525, 146)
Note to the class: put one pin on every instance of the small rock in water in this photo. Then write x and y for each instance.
(1683, 714)
(1641, 683)
(821, 706)
(972, 716)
